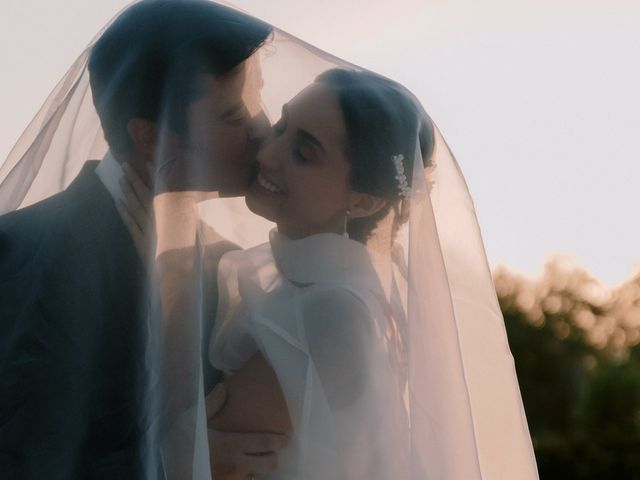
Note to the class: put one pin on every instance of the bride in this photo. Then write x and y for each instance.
(334, 176)
(313, 329)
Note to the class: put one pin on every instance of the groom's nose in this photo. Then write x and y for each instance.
(268, 156)
(259, 128)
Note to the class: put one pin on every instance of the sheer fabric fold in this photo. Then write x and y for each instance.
(391, 353)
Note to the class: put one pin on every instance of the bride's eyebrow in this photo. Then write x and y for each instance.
(305, 135)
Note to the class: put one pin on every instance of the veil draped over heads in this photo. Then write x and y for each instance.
(111, 341)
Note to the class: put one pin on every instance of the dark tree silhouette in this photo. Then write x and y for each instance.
(575, 345)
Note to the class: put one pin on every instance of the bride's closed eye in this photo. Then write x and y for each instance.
(296, 149)
(296, 152)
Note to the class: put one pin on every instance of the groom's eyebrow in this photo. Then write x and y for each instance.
(232, 111)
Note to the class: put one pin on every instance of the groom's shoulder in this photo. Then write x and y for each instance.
(25, 233)
(45, 220)
(32, 234)
(22, 224)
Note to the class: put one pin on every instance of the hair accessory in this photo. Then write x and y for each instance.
(403, 186)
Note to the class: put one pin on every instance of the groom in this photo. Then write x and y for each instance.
(71, 282)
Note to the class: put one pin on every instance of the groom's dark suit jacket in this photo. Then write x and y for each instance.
(70, 288)
(71, 339)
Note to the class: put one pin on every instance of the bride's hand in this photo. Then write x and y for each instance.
(137, 212)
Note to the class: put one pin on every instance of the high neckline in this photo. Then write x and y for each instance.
(325, 258)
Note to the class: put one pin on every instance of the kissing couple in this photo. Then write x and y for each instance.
(341, 325)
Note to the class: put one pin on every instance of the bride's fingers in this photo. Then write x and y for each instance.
(133, 228)
(250, 443)
(229, 455)
(134, 207)
(215, 401)
(140, 189)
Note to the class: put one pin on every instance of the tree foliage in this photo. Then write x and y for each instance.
(577, 354)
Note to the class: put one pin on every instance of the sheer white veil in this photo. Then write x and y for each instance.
(462, 399)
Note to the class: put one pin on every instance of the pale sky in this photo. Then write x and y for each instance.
(539, 100)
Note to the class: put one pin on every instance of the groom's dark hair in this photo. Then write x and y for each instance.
(146, 63)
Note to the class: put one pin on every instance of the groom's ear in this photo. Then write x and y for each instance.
(144, 135)
(365, 205)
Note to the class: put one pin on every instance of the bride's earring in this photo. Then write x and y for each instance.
(345, 232)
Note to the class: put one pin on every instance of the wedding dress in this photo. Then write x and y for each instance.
(316, 309)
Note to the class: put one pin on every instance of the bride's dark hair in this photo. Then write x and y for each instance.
(383, 120)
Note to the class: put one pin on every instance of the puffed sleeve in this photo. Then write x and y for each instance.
(340, 336)
(337, 381)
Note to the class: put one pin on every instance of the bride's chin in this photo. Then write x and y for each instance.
(259, 206)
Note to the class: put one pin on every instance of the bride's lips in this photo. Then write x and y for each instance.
(266, 184)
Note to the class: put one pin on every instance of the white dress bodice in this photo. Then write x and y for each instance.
(317, 311)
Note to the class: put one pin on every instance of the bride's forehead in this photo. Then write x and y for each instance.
(311, 97)
(317, 107)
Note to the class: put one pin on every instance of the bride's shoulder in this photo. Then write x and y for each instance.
(257, 256)
(336, 306)
(339, 326)
(256, 263)
(334, 297)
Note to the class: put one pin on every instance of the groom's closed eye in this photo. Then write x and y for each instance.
(236, 113)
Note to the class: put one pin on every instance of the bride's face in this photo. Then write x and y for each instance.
(303, 172)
